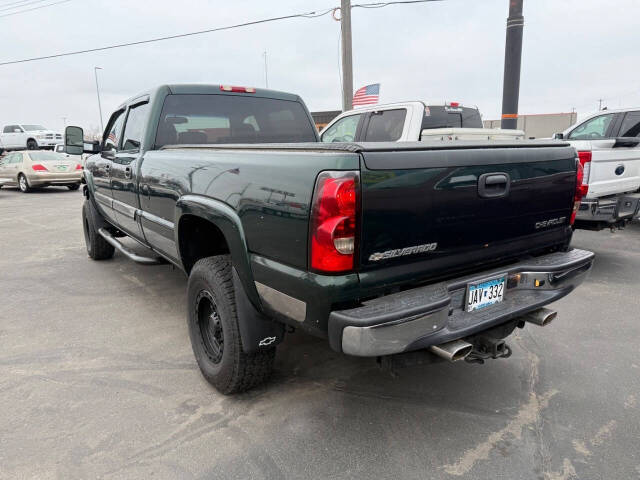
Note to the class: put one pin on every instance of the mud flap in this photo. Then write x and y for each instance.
(257, 331)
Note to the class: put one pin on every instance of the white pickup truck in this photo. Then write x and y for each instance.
(608, 145)
(411, 122)
(29, 137)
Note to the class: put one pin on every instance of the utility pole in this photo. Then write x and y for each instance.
(347, 60)
(600, 104)
(95, 71)
(266, 77)
(512, 61)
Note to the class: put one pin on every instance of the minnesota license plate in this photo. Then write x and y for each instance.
(61, 168)
(485, 293)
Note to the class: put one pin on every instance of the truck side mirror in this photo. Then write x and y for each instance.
(17, 130)
(74, 140)
(558, 136)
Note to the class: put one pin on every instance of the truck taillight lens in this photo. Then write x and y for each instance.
(332, 234)
(582, 188)
(38, 168)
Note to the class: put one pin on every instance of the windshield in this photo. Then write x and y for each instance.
(44, 156)
(439, 116)
(33, 128)
(215, 119)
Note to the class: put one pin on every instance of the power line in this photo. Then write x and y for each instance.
(25, 3)
(34, 8)
(14, 3)
(313, 14)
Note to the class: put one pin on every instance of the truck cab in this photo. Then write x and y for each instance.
(608, 145)
(411, 122)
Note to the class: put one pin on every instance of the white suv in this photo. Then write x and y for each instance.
(30, 137)
(608, 145)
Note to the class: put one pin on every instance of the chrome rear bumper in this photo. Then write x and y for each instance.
(434, 314)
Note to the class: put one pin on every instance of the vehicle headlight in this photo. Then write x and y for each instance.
(40, 135)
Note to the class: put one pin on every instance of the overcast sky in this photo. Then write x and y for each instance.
(575, 52)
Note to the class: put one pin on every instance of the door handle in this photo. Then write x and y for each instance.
(127, 172)
(494, 185)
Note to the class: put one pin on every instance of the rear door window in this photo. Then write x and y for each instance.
(222, 119)
(593, 129)
(385, 125)
(134, 128)
(631, 125)
(344, 130)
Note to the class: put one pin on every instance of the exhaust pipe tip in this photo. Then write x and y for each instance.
(541, 317)
(452, 351)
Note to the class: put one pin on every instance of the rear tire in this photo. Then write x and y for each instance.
(214, 331)
(97, 247)
(73, 186)
(23, 184)
(32, 145)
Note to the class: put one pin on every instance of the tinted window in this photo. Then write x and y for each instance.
(593, 129)
(114, 129)
(8, 129)
(344, 130)
(438, 116)
(385, 126)
(219, 119)
(134, 128)
(631, 125)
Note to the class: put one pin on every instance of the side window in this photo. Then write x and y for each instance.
(344, 130)
(17, 158)
(115, 129)
(385, 126)
(8, 129)
(593, 129)
(630, 125)
(134, 128)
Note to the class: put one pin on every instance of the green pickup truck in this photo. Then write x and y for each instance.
(384, 249)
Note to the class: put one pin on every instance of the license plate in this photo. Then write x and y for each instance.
(485, 293)
(61, 168)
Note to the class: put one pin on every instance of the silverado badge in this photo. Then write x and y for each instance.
(401, 252)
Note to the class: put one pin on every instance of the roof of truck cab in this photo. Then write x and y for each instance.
(206, 89)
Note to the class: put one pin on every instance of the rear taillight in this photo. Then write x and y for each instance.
(38, 168)
(78, 167)
(584, 158)
(332, 234)
(582, 186)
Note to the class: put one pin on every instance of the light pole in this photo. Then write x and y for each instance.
(347, 65)
(266, 78)
(95, 71)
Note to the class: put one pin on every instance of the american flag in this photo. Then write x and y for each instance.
(368, 95)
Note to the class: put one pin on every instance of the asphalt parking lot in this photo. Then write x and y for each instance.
(97, 380)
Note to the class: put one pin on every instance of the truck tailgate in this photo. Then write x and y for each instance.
(429, 212)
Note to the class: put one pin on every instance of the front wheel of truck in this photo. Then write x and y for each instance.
(214, 331)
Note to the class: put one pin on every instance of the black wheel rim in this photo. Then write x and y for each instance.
(210, 326)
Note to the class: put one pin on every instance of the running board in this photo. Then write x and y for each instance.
(128, 253)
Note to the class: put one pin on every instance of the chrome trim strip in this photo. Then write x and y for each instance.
(155, 219)
(103, 199)
(282, 303)
(124, 209)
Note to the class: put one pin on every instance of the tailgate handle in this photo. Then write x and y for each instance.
(494, 185)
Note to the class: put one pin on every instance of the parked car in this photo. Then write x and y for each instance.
(413, 121)
(32, 169)
(608, 144)
(380, 248)
(59, 148)
(29, 137)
